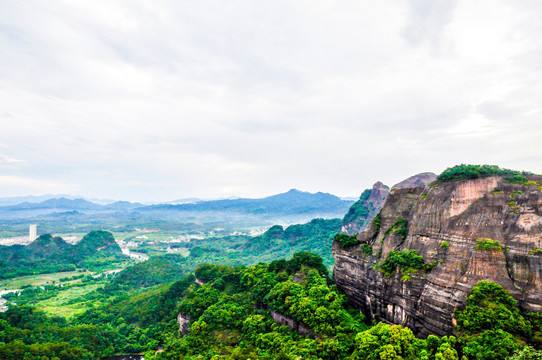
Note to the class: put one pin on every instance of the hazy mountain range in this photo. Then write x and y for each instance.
(294, 203)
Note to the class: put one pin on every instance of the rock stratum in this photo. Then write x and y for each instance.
(455, 226)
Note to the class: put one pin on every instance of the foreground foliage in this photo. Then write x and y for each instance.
(287, 309)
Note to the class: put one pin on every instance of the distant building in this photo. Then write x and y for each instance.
(32, 232)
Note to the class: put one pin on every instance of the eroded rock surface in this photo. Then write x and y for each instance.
(444, 222)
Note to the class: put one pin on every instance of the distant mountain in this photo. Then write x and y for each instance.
(56, 203)
(71, 204)
(13, 200)
(184, 201)
(292, 202)
(122, 205)
(293, 206)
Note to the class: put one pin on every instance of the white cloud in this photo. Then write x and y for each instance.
(206, 98)
(18, 186)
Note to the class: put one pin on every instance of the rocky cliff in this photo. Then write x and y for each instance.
(371, 201)
(364, 210)
(466, 231)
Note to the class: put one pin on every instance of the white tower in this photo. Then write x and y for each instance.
(32, 232)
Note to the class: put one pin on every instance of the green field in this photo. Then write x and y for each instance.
(35, 280)
(69, 302)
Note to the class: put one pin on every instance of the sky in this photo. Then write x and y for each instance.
(161, 100)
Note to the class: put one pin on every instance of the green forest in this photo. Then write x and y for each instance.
(285, 309)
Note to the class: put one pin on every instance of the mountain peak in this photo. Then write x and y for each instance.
(416, 180)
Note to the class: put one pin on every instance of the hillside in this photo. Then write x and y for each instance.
(48, 254)
(279, 242)
(286, 309)
(96, 242)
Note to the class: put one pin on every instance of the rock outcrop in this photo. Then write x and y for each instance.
(416, 180)
(364, 210)
(371, 201)
(472, 230)
(293, 324)
(184, 323)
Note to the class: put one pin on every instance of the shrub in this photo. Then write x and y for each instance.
(488, 245)
(377, 222)
(346, 240)
(408, 261)
(399, 227)
(527, 353)
(366, 249)
(444, 244)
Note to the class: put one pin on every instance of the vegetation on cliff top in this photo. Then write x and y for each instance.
(346, 240)
(466, 172)
(156, 270)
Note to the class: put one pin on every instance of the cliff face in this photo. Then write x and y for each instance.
(445, 220)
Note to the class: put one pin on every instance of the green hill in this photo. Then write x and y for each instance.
(48, 254)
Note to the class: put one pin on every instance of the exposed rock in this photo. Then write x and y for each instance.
(184, 323)
(371, 201)
(416, 180)
(365, 209)
(457, 213)
(293, 324)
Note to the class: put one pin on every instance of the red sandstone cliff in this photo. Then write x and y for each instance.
(457, 213)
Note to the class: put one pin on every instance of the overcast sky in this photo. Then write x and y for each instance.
(159, 100)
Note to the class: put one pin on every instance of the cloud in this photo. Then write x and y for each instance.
(18, 186)
(9, 160)
(203, 98)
